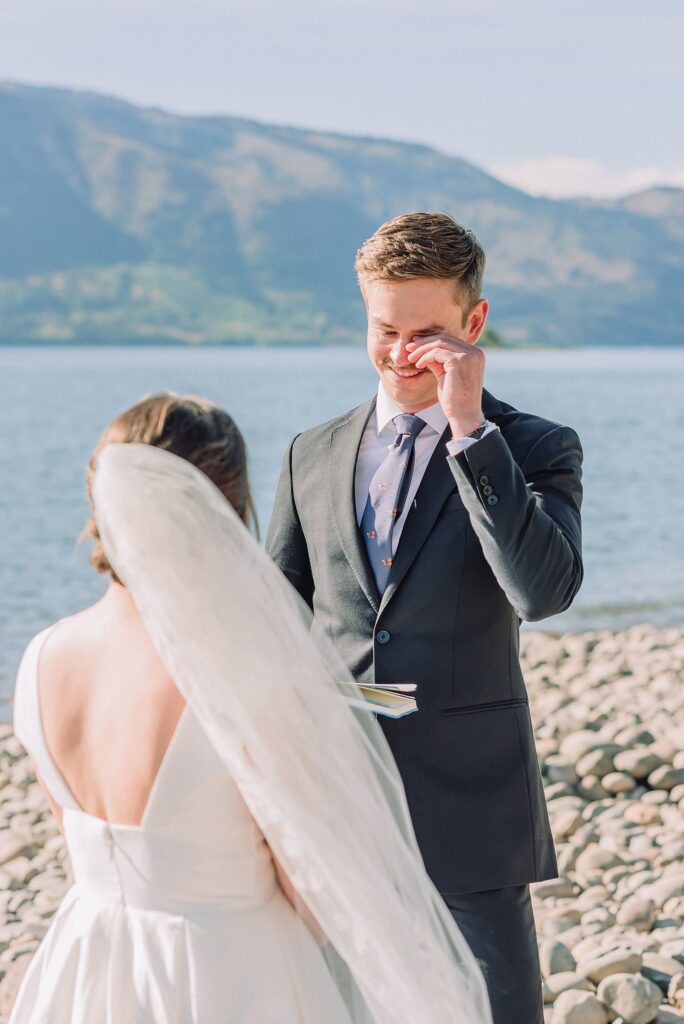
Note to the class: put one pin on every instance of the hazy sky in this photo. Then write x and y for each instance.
(560, 97)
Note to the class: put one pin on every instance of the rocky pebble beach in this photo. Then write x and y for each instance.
(609, 718)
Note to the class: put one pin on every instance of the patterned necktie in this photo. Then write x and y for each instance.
(386, 496)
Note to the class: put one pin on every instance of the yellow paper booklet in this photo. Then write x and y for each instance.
(391, 699)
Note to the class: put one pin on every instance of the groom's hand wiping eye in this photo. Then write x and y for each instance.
(459, 369)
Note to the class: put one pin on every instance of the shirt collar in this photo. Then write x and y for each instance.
(386, 409)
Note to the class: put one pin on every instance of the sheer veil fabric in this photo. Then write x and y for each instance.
(270, 693)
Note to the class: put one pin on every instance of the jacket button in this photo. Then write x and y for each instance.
(488, 489)
(484, 479)
(492, 499)
(383, 637)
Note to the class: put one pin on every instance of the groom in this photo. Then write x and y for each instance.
(422, 527)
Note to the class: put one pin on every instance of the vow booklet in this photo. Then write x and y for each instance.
(391, 699)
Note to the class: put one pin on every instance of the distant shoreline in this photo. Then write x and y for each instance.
(317, 345)
(171, 343)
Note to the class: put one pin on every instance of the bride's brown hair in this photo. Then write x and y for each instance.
(192, 428)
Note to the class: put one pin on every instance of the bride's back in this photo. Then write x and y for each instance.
(108, 707)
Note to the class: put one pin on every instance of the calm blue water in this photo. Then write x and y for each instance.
(627, 404)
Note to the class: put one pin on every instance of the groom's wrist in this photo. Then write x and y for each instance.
(465, 422)
(459, 444)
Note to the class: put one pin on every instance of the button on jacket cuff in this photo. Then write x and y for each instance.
(486, 468)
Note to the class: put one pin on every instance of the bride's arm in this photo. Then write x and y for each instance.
(298, 904)
(56, 809)
(286, 885)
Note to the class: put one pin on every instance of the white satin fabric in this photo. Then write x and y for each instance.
(179, 920)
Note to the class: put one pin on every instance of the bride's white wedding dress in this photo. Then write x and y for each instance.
(177, 920)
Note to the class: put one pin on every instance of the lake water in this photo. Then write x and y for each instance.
(627, 405)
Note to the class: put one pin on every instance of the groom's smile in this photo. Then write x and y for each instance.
(405, 372)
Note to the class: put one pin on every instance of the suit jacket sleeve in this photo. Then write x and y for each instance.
(285, 542)
(531, 535)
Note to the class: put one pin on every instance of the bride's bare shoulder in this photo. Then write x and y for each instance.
(70, 638)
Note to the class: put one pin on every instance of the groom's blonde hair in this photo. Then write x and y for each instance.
(424, 245)
(192, 428)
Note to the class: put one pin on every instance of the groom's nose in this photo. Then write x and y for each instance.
(399, 352)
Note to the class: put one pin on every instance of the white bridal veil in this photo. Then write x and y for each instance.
(316, 773)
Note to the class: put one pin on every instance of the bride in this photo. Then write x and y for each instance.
(237, 829)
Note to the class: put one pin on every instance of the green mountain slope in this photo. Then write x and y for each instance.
(124, 224)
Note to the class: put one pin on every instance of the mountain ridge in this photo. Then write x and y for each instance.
(124, 223)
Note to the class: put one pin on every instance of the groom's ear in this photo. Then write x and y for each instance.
(475, 321)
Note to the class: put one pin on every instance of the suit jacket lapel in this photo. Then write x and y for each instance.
(344, 448)
(437, 483)
(435, 487)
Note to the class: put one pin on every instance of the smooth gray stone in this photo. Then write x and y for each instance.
(631, 996)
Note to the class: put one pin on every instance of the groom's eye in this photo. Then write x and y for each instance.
(389, 334)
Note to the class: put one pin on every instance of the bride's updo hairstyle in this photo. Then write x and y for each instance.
(192, 428)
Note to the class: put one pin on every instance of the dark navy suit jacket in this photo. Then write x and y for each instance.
(493, 537)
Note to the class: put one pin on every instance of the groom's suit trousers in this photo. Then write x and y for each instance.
(499, 928)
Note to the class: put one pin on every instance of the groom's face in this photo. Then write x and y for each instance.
(403, 311)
